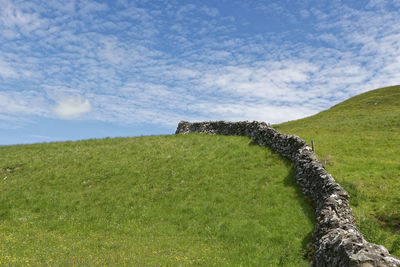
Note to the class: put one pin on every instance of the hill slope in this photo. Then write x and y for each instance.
(146, 201)
(359, 140)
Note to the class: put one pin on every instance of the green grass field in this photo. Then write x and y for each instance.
(359, 140)
(174, 200)
(196, 199)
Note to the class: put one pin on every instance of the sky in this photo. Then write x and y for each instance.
(82, 69)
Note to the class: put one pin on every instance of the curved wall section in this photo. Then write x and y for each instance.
(336, 240)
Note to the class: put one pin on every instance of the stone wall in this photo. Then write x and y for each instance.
(336, 240)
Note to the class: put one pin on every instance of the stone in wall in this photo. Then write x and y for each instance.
(336, 240)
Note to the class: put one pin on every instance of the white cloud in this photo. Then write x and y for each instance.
(210, 11)
(273, 81)
(185, 11)
(377, 3)
(6, 71)
(70, 107)
(22, 103)
(330, 39)
(20, 18)
(271, 113)
(304, 13)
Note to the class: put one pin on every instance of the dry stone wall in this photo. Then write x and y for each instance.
(336, 240)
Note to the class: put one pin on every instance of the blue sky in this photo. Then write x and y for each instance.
(73, 70)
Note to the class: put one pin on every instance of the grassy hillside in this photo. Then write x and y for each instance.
(151, 201)
(359, 140)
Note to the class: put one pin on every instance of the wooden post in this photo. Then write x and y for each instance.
(312, 144)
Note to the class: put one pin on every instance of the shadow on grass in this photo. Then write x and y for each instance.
(303, 200)
(306, 206)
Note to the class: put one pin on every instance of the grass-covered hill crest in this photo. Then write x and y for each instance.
(196, 199)
(359, 140)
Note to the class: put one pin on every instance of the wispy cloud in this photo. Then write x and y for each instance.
(22, 103)
(6, 70)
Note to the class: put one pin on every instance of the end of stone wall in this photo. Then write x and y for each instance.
(336, 240)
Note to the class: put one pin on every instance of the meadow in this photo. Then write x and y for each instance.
(359, 142)
(196, 199)
(173, 200)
